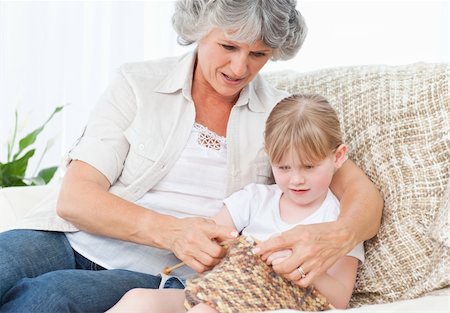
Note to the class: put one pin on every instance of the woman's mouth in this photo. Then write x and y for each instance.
(231, 80)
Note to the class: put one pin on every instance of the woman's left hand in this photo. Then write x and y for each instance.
(315, 248)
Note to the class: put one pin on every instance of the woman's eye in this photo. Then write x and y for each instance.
(258, 54)
(227, 47)
(308, 167)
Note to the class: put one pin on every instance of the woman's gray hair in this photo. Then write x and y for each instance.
(276, 22)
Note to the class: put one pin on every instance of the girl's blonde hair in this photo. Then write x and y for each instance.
(305, 125)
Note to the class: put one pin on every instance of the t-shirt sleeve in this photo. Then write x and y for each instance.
(239, 205)
(358, 252)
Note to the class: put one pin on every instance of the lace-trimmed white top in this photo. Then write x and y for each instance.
(196, 184)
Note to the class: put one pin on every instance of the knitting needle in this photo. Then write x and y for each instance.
(167, 270)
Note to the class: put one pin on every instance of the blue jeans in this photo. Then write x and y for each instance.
(40, 272)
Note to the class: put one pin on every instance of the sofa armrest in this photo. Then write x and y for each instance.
(433, 302)
(16, 202)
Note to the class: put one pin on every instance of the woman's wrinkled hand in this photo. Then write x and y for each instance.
(314, 248)
(195, 241)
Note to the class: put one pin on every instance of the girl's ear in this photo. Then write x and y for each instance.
(340, 156)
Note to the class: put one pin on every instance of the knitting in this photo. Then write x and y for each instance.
(242, 282)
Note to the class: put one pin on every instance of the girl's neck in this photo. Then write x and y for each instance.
(293, 213)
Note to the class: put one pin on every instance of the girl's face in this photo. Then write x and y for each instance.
(227, 66)
(306, 186)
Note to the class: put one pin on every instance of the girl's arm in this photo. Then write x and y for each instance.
(224, 218)
(338, 282)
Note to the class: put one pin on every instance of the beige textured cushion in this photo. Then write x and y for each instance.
(396, 121)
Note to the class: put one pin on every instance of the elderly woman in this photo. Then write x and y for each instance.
(168, 140)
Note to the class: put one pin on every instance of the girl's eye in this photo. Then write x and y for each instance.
(284, 167)
(308, 167)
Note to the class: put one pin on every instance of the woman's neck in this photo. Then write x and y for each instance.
(202, 91)
(212, 109)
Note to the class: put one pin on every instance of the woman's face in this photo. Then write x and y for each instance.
(227, 66)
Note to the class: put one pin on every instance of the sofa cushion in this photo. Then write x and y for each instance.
(396, 121)
(16, 202)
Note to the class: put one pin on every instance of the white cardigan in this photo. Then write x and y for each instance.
(142, 123)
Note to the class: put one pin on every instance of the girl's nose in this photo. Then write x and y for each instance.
(297, 178)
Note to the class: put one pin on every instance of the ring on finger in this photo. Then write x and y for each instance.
(301, 271)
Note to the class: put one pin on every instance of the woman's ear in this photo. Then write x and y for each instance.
(340, 155)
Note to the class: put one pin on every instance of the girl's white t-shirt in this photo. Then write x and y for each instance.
(255, 211)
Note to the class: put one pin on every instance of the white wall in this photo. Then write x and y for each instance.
(61, 52)
(58, 52)
(372, 32)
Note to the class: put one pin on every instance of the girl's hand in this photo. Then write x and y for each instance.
(278, 257)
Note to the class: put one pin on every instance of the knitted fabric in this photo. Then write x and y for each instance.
(242, 283)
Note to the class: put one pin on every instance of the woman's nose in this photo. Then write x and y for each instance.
(239, 65)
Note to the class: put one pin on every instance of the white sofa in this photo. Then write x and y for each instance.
(15, 202)
(396, 121)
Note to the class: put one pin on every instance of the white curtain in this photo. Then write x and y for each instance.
(59, 53)
(65, 52)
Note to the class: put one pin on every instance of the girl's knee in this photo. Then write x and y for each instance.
(136, 300)
(138, 293)
(150, 300)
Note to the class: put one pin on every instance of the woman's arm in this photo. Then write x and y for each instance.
(84, 200)
(317, 247)
(361, 202)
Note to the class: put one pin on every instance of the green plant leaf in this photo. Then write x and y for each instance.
(18, 167)
(12, 181)
(31, 137)
(35, 181)
(12, 173)
(27, 141)
(47, 174)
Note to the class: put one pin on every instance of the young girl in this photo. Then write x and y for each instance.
(304, 144)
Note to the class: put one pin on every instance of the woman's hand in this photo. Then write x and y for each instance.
(195, 241)
(315, 248)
